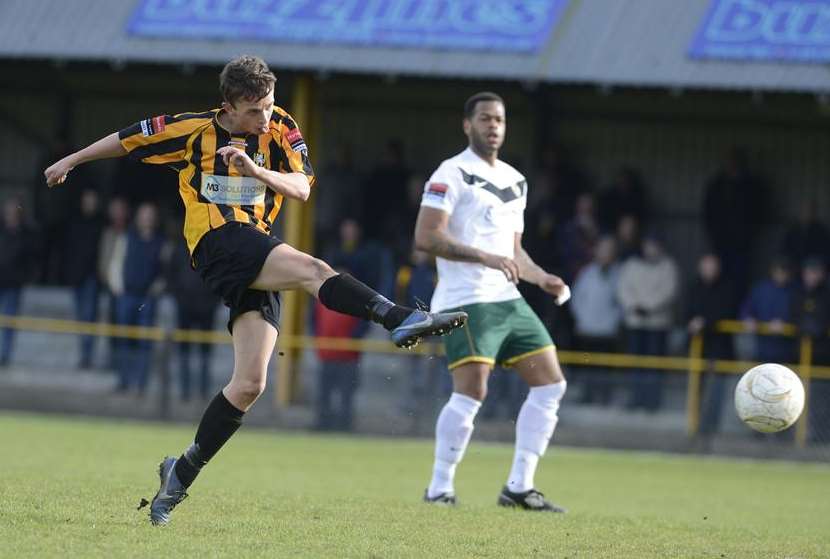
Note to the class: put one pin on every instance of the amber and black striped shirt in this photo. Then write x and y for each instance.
(213, 194)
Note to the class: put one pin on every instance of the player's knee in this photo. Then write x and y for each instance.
(248, 389)
(319, 270)
(251, 390)
(476, 391)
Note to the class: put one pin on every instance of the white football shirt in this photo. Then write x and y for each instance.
(486, 207)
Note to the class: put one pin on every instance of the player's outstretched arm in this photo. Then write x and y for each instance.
(104, 148)
(432, 236)
(531, 272)
(291, 185)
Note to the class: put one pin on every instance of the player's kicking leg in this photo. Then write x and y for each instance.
(455, 427)
(288, 268)
(534, 428)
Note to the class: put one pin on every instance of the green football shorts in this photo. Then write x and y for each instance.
(505, 333)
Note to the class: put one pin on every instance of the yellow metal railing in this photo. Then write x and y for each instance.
(693, 365)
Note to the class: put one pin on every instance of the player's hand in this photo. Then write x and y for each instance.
(57, 172)
(235, 157)
(552, 284)
(507, 265)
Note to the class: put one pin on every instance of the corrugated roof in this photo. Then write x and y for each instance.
(610, 42)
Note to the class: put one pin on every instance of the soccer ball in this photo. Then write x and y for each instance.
(769, 398)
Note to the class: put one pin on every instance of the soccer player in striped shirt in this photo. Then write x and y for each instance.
(236, 165)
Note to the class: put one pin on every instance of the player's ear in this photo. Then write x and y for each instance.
(227, 107)
(467, 125)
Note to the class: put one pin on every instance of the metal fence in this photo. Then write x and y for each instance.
(693, 365)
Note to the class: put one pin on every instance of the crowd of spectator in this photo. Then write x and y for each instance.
(628, 292)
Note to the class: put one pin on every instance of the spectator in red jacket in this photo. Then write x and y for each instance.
(337, 377)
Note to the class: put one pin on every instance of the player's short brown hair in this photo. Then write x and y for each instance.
(483, 96)
(247, 77)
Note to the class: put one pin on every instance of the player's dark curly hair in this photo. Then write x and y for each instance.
(483, 96)
(247, 77)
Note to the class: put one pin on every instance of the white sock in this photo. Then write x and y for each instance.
(452, 434)
(534, 428)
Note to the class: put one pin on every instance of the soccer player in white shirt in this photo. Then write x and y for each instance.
(471, 219)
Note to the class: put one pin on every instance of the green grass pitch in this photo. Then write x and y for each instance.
(69, 488)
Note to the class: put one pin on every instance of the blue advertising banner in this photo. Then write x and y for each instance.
(495, 25)
(765, 30)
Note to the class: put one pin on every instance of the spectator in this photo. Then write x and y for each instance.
(195, 310)
(711, 299)
(111, 253)
(647, 292)
(341, 199)
(770, 300)
(338, 373)
(625, 196)
(371, 262)
(557, 184)
(384, 199)
(628, 237)
(54, 215)
(15, 268)
(579, 234)
(598, 316)
(136, 306)
(84, 236)
(733, 211)
(539, 240)
(808, 236)
(811, 314)
(415, 284)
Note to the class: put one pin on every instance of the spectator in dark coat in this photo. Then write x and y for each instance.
(628, 238)
(415, 284)
(369, 261)
(770, 300)
(195, 310)
(384, 197)
(625, 196)
(733, 211)
(342, 197)
(808, 236)
(811, 314)
(83, 236)
(578, 237)
(143, 284)
(16, 261)
(711, 299)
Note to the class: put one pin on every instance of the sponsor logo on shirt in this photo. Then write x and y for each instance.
(437, 189)
(150, 126)
(233, 191)
(295, 139)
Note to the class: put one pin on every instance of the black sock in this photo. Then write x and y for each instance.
(345, 294)
(219, 422)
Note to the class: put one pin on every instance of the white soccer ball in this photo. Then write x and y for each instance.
(769, 398)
